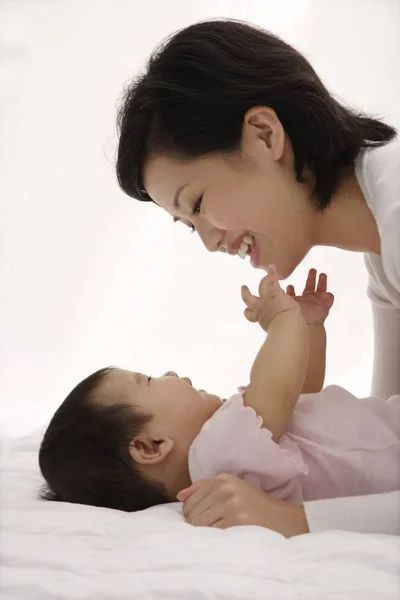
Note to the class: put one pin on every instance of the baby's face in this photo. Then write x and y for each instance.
(174, 404)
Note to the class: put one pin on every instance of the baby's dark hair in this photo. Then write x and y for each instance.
(84, 456)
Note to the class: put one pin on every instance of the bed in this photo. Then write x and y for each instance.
(57, 551)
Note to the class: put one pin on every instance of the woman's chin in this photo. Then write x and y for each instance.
(283, 271)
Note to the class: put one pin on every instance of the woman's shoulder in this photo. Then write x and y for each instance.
(384, 270)
(378, 173)
(390, 243)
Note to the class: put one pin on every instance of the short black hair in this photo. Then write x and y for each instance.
(84, 456)
(198, 86)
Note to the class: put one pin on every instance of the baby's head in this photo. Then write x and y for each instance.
(121, 440)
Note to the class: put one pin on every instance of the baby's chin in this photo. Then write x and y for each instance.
(213, 399)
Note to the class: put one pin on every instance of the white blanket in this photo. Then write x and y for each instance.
(57, 551)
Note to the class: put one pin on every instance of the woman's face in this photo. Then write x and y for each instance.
(253, 194)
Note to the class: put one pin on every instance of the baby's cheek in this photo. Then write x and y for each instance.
(200, 416)
(191, 415)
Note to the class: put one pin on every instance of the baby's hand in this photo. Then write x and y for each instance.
(315, 303)
(271, 302)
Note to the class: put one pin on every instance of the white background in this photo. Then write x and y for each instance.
(90, 277)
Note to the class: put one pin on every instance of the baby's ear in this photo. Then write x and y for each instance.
(147, 451)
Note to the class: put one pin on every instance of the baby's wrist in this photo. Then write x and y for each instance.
(285, 314)
(319, 323)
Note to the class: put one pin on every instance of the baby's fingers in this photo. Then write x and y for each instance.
(310, 283)
(322, 283)
(269, 285)
(291, 291)
(250, 315)
(248, 298)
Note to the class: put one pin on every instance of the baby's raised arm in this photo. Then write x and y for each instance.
(315, 303)
(279, 370)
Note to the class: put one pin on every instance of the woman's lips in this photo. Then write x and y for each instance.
(253, 250)
(234, 247)
(255, 255)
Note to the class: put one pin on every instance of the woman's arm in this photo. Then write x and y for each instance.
(386, 369)
(384, 293)
(375, 513)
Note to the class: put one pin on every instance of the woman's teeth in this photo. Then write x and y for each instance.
(244, 246)
(248, 239)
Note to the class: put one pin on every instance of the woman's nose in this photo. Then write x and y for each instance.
(210, 236)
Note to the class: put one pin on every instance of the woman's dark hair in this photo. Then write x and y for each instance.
(199, 84)
(84, 456)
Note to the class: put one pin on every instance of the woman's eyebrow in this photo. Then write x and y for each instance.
(175, 202)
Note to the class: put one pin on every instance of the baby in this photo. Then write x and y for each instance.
(128, 441)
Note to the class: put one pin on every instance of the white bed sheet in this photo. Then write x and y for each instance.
(56, 551)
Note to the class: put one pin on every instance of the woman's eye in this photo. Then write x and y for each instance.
(197, 206)
(189, 225)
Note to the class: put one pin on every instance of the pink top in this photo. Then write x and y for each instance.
(336, 445)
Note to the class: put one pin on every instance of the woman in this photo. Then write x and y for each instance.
(231, 131)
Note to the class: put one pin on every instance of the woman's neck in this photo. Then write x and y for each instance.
(348, 222)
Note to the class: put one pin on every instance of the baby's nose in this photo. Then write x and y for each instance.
(170, 374)
(173, 374)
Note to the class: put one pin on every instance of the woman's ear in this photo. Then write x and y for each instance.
(147, 451)
(261, 123)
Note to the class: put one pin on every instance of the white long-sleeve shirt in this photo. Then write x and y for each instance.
(378, 174)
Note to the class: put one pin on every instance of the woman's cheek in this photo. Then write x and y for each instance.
(227, 215)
